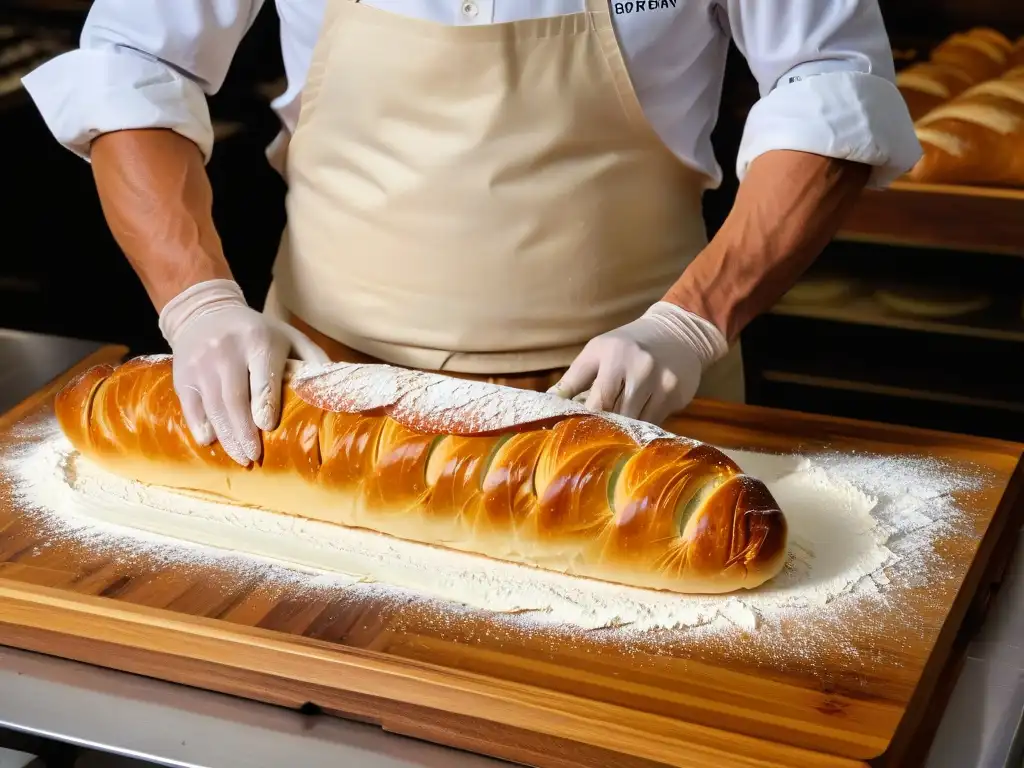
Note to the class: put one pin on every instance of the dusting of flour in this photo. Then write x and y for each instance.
(861, 526)
(444, 404)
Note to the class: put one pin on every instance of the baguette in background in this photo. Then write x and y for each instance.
(976, 138)
(1016, 55)
(981, 53)
(960, 61)
(928, 84)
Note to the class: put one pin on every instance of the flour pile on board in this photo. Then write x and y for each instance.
(856, 523)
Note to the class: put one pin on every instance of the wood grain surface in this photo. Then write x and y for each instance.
(989, 220)
(543, 697)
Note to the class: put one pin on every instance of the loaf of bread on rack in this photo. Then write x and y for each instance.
(960, 61)
(981, 53)
(1016, 56)
(928, 84)
(513, 475)
(977, 138)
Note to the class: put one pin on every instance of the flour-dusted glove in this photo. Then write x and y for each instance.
(647, 369)
(229, 363)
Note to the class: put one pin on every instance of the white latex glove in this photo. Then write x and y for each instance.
(647, 369)
(229, 363)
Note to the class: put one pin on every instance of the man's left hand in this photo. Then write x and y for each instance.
(647, 369)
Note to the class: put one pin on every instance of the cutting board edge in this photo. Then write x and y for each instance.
(986, 572)
(40, 619)
(734, 416)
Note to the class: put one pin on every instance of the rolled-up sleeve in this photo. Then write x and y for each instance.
(827, 83)
(142, 64)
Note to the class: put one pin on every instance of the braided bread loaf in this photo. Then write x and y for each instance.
(977, 138)
(513, 475)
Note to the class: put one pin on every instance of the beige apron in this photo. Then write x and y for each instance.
(480, 200)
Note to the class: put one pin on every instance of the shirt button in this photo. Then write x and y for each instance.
(470, 9)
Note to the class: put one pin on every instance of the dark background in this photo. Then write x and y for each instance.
(62, 273)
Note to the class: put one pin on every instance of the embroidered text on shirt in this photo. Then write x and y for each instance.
(642, 5)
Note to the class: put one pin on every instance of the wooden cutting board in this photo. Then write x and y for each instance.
(541, 698)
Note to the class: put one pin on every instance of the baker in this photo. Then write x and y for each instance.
(491, 188)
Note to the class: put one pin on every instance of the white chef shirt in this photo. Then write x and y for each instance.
(824, 67)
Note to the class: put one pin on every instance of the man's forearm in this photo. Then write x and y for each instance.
(158, 203)
(787, 209)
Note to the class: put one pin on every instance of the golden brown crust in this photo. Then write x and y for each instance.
(575, 493)
(976, 138)
(928, 84)
(993, 36)
(920, 103)
(1016, 56)
(73, 405)
(960, 61)
(975, 52)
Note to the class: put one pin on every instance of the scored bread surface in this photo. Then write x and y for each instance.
(516, 476)
(962, 60)
(977, 137)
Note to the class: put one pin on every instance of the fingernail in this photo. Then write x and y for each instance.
(236, 453)
(251, 448)
(204, 434)
(263, 416)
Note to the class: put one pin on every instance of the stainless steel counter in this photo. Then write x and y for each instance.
(28, 361)
(173, 725)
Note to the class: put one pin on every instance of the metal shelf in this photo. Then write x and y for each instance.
(865, 311)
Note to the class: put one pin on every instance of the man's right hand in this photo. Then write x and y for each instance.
(229, 363)
(229, 360)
